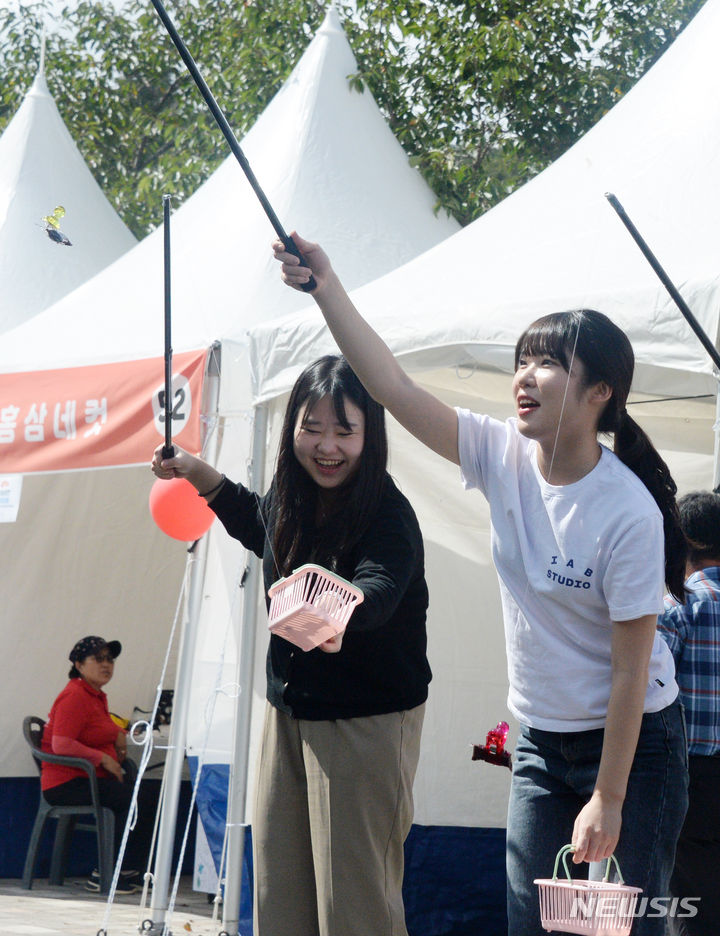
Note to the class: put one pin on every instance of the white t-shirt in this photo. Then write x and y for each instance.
(571, 559)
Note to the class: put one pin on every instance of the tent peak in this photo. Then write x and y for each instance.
(39, 87)
(40, 167)
(332, 22)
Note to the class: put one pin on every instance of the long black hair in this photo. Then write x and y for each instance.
(607, 356)
(296, 494)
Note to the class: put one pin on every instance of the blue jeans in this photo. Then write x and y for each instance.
(553, 777)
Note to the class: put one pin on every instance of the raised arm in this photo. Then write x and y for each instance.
(427, 418)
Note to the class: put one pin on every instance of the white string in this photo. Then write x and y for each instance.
(593, 185)
(223, 858)
(147, 744)
(564, 399)
(522, 605)
(211, 427)
(148, 877)
(591, 267)
(210, 711)
(267, 536)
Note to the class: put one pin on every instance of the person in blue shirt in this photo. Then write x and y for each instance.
(692, 631)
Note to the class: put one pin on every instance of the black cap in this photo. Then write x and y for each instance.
(89, 646)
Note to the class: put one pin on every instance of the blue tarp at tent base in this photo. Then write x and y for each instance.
(455, 881)
(18, 807)
(454, 876)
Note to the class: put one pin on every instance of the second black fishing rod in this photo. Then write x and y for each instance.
(232, 142)
(665, 280)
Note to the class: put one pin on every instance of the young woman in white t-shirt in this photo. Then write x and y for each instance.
(583, 540)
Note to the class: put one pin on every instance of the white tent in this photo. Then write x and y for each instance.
(41, 168)
(84, 555)
(453, 315)
(326, 158)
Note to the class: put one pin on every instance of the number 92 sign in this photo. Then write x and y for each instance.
(181, 405)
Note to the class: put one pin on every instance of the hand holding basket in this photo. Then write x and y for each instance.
(312, 607)
(595, 908)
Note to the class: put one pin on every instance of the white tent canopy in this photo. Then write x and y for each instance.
(84, 555)
(41, 168)
(453, 316)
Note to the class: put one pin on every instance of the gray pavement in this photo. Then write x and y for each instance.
(71, 911)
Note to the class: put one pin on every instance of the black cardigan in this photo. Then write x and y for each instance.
(382, 665)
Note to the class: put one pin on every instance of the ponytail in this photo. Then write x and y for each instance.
(634, 449)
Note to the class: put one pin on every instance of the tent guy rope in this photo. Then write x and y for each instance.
(147, 745)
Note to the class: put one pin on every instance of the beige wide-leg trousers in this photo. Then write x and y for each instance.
(333, 807)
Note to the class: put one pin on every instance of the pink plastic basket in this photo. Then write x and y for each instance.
(311, 606)
(598, 908)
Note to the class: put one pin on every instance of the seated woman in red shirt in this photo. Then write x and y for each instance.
(79, 725)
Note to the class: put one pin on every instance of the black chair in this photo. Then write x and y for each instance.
(103, 826)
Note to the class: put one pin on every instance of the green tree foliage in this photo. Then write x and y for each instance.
(482, 95)
(127, 98)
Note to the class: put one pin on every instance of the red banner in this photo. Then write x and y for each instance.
(97, 416)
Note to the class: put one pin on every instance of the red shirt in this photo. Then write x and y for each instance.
(80, 714)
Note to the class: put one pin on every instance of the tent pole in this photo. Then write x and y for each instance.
(239, 765)
(716, 463)
(176, 749)
(716, 427)
(181, 704)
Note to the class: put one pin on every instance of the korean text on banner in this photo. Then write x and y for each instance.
(97, 416)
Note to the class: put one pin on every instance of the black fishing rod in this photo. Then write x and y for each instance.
(168, 448)
(666, 281)
(232, 142)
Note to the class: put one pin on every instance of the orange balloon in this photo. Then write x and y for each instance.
(178, 510)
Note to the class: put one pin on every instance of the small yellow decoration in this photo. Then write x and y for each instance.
(54, 219)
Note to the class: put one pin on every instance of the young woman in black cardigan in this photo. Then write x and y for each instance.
(341, 738)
